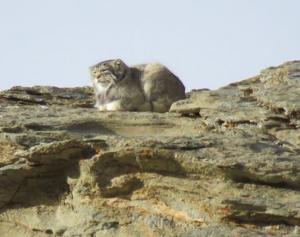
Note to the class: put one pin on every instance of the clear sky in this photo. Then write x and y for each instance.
(207, 43)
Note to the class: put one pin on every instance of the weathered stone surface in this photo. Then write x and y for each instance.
(221, 163)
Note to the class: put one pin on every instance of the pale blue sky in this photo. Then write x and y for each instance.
(206, 43)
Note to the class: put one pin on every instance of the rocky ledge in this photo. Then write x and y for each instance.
(220, 163)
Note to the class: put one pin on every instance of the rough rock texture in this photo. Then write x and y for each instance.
(221, 163)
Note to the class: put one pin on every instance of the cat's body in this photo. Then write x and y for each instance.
(148, 87)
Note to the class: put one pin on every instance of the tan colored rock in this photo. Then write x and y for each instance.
(222, 163)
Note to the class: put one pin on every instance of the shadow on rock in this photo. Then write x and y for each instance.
(40, 174)
(117, 172)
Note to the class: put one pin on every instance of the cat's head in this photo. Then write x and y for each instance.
(110, 71)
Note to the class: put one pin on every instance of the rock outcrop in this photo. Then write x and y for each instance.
(220, 163)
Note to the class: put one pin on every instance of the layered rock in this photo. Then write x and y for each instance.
(220, 163)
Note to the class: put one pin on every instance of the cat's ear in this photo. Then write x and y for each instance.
(119, 62)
